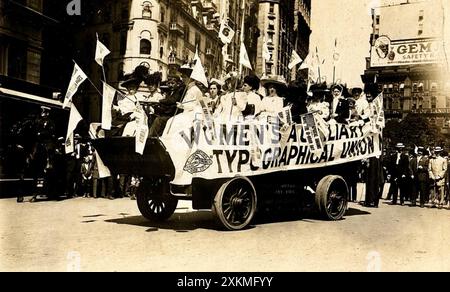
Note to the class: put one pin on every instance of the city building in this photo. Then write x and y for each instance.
(407, 61)
(284, 25)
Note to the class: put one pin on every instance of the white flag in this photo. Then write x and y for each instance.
(103, 170)
(108, 98)
(198, 72)
(295, 59)
(74, 119)
(336, 55)
(244, 60)
(226, 33)
(306, 63)
(78, 77)
(101, 52)
(266, 52)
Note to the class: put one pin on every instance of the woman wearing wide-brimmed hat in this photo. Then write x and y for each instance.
(273, 103)
(316, 102)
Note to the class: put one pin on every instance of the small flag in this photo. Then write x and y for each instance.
(108, 98)
(336, 55)
(101, 52)
(198, 72)
(74, 119)
(266, 52)
(244, 60)
(226, 33)
(295, 59)
(306, 63)
(78, 77)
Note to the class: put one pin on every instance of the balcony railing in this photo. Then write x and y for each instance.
(175, 27)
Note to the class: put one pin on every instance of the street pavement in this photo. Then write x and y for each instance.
(103, 235)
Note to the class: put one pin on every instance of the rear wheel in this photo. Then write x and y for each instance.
(154, 200)
(331, 197)
(235, 203)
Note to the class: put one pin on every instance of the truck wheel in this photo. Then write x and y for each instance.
(331, 197)
(154, 201)
(235, 203)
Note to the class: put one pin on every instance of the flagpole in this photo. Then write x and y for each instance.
(242, 35)
(176, 111)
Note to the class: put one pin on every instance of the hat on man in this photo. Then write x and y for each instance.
(253, 81)
(135, 79)
(319, 90)
(438, 149)
(186, 70)
(153, 79)
(400, 145)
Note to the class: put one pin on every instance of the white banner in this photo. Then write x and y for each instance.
(101, 52)
(141, 131)
(74, 119)
(78, 77)
(103, 171)
(232, 153)
(406, 52)
(108, 98)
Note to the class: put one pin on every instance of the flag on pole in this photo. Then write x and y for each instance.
(103, 170)
(226, 33)
(307, 62)
(266, 52)
(108, 98)
(198, 72)
(78, 77)
(101, 52)
(244, 60)
(74, 119)
(336, 55)
(295, 59)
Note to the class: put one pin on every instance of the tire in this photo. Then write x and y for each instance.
(331, 197)
(154, 200)
(235, 204)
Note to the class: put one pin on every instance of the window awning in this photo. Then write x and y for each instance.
(13, 94)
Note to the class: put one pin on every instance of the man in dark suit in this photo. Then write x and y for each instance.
(422, 176)
(340, 105)
(413, 186)
(400, 171)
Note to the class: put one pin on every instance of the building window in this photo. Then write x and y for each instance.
(186, 33)
(147, 10)
(271, 24)
(421, 15)
(146, 47)
(272, 8)
(434, 86)
(163, 15)
(198, 40)
(420, 32)
(433, 102)
(377, 20)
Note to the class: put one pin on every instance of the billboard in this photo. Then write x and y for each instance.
(406, 52)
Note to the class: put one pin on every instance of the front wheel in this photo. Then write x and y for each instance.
(154, 200)
(331, 197)
(235, 203)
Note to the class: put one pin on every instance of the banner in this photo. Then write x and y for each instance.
(226, 33)
(141, 130)
(78, 77)
(101, 52)
(233, 152)
(244, 60)
(103, 171)
(108, 98)
(406, 52)
(311, 132)
(295, 60)
(74, 119)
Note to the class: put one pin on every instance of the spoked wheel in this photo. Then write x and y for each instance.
(154, 200)
(235, 203)
(331, 197)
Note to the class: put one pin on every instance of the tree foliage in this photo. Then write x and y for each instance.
(413, 130)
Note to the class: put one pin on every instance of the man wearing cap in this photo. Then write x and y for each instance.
(437, 171)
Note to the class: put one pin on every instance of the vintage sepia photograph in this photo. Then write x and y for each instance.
(225, 136)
